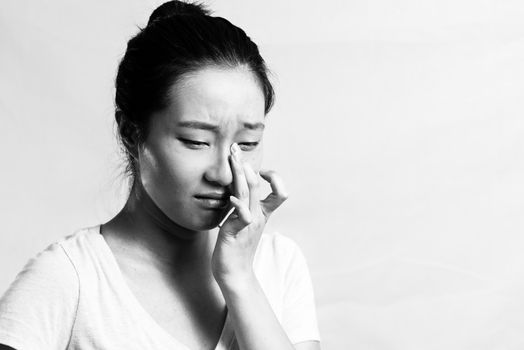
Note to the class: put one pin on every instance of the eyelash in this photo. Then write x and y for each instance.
(197, 144)
(251, 145)
(193, 143)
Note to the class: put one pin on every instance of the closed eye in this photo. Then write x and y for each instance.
(248, 146)
(193, 144)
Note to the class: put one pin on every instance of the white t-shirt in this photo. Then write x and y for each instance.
(72, 295)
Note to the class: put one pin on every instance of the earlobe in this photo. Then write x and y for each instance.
(129, 133)
(128, 130)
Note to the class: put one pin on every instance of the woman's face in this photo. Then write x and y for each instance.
(185, 158)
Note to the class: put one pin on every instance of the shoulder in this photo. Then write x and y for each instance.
(57, 261)
(278, 243)
(278, 257)
(39, 307)
(51, 266)
(284, 275)
(51, 271)
(278, 248)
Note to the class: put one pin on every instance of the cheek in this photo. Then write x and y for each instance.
(254, 159)
(163, 167)
(149, 165)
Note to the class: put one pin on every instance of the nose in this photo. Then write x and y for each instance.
(219, 172)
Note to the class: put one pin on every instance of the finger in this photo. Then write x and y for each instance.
(278, 191)
(240, 218)
(239, 179)
(276, 182)
(253, 184)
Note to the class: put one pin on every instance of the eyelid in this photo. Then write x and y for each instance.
(193, 142)
(250, 145)
(199, 144)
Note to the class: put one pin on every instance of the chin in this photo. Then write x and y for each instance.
(204, 223)
(209, 226)
(203, 226)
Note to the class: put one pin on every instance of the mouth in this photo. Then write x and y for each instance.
(213, 202)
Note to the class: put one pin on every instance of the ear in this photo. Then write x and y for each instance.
(129, 132)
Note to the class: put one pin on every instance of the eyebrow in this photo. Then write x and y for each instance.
(213, 127)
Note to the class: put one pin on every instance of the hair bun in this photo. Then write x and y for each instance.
(177, 8)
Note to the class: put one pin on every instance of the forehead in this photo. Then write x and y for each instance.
(226, 97)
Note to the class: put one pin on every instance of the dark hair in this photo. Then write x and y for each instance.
(180, 38)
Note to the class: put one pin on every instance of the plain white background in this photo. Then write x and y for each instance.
(398, 128)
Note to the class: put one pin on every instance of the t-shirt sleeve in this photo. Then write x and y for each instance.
(38, 309)
(299, 317)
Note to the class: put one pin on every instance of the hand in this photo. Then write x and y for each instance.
(238, 238)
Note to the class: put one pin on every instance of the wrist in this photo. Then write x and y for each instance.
(237, 283)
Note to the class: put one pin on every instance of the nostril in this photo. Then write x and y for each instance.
(220, 173)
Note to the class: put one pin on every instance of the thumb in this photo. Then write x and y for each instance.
(239, 217)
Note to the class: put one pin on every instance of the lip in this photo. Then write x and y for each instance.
(213, 195)
(213, 200)
(212, 203)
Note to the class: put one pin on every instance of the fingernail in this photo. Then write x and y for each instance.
(235, 149)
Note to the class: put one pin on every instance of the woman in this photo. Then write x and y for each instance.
(184, 265)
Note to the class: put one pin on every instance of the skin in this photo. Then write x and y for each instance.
(166, 239)
(167, 245)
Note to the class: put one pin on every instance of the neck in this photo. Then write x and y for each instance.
(151, 236)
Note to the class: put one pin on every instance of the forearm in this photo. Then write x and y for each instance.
(256, 326)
